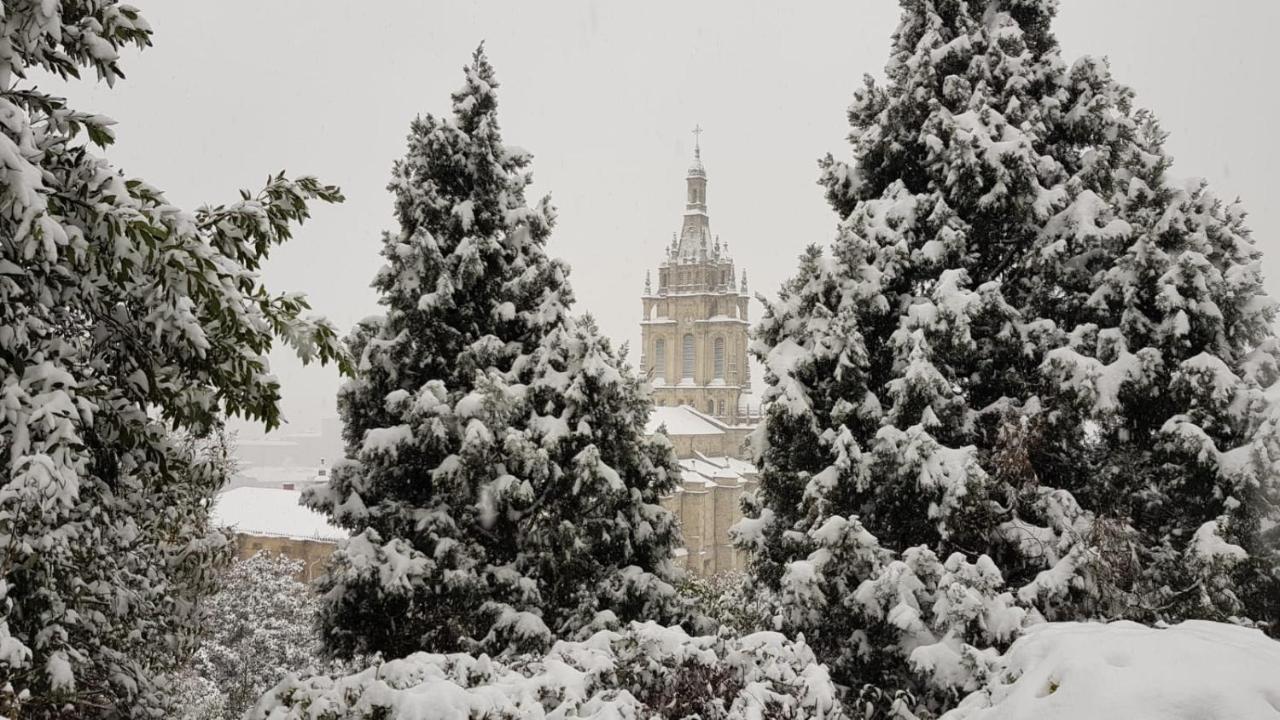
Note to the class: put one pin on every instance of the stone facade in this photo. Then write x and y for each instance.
(313, 554)
(693, 340)
(693, 328)
(707, 503)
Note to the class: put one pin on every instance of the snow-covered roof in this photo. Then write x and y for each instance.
(691, 480)
(276, 475)
(708, 469)
(732, 464)
(682, 420)
(713, 472)
(272, 512)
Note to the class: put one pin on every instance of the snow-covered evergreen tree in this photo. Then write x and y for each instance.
(1028, 353)
(499, 486)
(125, 323)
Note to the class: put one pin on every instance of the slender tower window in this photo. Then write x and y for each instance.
(660, 358)
(686, 358)
(718, 355)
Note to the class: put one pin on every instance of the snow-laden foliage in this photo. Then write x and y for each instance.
(193, 696)
(122, 319)
(644, 671)
(1033, 377)
(261, 628)
(498, 484)
(729, 600)
(1194, 670)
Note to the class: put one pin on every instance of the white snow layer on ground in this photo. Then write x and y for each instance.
(611, 675)
(1125, 671)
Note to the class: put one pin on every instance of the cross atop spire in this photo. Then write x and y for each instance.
(696, 170)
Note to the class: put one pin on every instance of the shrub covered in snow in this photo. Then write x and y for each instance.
(195, 697)
(644, 671)
(261, 627)
(1195, 670)
(729, 600)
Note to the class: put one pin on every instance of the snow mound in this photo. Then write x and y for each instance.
(1195, 670)
(647, 670)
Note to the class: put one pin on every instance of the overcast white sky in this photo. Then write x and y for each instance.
(604, 95)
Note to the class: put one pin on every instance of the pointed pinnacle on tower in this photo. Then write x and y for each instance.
(696, 168)
(648, 287)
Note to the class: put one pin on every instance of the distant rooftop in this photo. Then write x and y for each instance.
(272, 512)
(683, 420)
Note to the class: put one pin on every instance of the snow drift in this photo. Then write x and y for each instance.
(1195, 670)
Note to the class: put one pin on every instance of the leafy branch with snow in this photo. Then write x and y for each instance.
(125, 323)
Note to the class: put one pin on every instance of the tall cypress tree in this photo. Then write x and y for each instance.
(1030, 380)
(498, 485)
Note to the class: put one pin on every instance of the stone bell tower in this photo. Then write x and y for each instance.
(694, 329)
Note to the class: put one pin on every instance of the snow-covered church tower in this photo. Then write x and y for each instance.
(694, 329)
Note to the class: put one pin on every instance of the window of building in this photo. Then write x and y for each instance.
(686, 358)
(711, 407)
(718, 358)
(660, 358)
(722, 409)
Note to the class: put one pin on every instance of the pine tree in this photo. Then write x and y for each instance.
(499, 487)
(126, 325)
(1027, 353)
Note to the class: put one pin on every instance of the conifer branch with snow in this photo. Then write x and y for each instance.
(1032, 378)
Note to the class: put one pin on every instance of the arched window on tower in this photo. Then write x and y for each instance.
(686, 358)
(711, 407)
(717, 355)
(660, 359)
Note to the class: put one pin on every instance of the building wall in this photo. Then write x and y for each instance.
(705, 514)
(713, 313)
(314, 554)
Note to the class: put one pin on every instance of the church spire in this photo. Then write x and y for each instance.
(696, 169)
(695, 319)
(695, 231)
